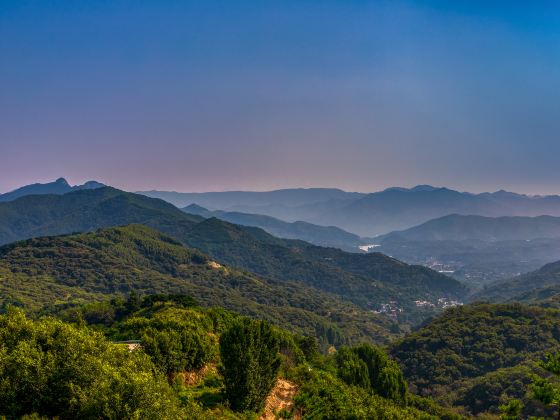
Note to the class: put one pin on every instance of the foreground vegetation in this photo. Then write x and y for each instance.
(190, 362)
(74, 361)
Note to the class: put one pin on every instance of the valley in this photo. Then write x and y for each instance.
(279, 210)
(97, 254)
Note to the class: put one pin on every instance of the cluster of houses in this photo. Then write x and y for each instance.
(440, 303)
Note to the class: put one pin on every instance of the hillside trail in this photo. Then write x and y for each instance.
(280, 398)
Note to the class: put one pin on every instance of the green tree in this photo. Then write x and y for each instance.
(511, 410)
(544, 390)
(177, 349)
(250, 363)
(385, 376)
(351, 369)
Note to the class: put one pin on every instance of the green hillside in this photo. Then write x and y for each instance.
(535, 286)
(478, 355)
(367, 280)
(85, 210)
(115, 261)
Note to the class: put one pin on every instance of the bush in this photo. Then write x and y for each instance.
(177, 350)
(53, 369)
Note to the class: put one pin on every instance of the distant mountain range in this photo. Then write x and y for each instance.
(478, 250)
(363, 215)
(369, 214)
(240, 200)
(457, 227)
(367, 280)
(60, 186)
(318, 235)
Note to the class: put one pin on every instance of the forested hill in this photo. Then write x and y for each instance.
(479, 355)
(368, 280)
(536, 286)
(54, 271)
(85, 210)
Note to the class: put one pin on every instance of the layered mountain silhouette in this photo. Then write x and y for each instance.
(315, 234)
(60, 186)
(238, 200)
(457, 227)
(369, 214)
(398, 208)
(478, 249)
(367, 280)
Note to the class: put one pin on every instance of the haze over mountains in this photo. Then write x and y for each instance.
(369, 214)
(315, 234)
(455, 227)
(361, 214)
(478, 250)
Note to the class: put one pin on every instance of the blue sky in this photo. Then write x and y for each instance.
(215, 95)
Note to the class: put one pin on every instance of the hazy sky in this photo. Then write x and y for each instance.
(215, 95)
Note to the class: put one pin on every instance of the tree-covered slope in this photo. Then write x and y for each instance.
(367, 280)
(471, 342)
(538, 285)
(85, 210)
(115, 261)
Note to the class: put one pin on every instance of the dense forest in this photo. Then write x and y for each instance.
(65, 270)
(479, 356)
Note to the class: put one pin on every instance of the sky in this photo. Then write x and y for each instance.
(257, 95)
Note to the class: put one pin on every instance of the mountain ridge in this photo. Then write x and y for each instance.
(60, 186)
(368, 280)
(377, 213)
(305, 231)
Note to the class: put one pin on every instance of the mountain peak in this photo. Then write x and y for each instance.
(195, 207)
(92, 185)
(62, 181)
(424, 187)
(418, 188)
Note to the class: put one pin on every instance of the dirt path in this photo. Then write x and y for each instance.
(280, 398)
